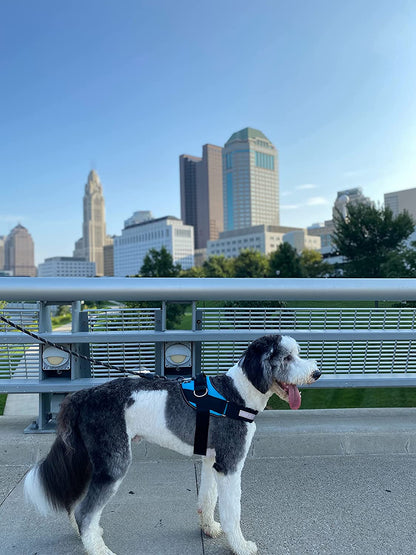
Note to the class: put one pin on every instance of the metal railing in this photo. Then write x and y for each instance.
(355, 347)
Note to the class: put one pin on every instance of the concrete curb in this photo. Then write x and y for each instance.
(335, 432)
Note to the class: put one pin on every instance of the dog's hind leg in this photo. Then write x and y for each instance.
(207, 499)
(109, 468)
(88, 513)
(229, 492)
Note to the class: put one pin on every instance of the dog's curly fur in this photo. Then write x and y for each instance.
(92, 450)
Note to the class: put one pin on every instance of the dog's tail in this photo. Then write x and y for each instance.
(58, 481)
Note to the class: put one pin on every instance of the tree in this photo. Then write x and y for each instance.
(401, 263)
(159, 264)
(195, 271)
(312, 264)
(218, 266)
(368, 236)
(250, 264)
(285, 262)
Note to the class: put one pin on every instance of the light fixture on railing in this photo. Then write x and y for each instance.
(178, 358)
(55, 359)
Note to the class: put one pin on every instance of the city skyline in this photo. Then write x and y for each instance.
(330, 84)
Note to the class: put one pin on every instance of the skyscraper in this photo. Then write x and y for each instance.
(251, 180)
(19, 252)
(94, 237)
(201, 194)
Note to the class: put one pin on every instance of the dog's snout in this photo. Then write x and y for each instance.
(316, 375)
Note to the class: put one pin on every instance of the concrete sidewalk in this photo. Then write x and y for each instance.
(315, 482)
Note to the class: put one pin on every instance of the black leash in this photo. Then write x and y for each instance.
(147, 375)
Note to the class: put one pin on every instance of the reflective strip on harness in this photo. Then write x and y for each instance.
(245, 414)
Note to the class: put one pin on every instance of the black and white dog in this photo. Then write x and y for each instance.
(92, 451)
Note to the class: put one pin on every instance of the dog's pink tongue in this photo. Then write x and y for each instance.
(294, 397)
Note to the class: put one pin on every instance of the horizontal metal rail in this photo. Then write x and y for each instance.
(205, 289)
(212, 335)
(57, 385)
(51, 385)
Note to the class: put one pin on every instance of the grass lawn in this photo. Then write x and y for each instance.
(186, 323)
(3, 397)
(60, 320)
(387, 397)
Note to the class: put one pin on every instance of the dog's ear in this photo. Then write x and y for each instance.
(256, 362)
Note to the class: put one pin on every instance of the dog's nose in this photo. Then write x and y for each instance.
(316, 375)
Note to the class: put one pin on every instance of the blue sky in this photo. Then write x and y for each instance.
(127, 86)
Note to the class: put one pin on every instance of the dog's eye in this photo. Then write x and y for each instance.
(288, 358)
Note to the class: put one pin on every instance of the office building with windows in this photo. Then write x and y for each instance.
(262, 238)
(250, 180)
(135, 241)
(19, 252)
(108, 251)
(401, 201)
(202, 194)
(66, 266)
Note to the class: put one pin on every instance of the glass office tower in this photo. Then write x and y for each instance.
(250, 180)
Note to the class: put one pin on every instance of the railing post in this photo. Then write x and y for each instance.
(197, 314)
(160, 325)
(44, 416)
(80, 368)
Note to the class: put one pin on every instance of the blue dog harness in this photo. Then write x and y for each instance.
(201, 395)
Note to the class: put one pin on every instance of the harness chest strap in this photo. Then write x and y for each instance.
(203, 397)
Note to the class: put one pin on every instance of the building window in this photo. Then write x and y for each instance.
(230, 201)
(229, 160)
(265, 161)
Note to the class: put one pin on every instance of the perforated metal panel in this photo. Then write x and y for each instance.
(19, 360)
(334, 357)
(130, 356)
(337, 356)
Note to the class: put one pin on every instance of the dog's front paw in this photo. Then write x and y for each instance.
(248, 548)
(212, 530)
